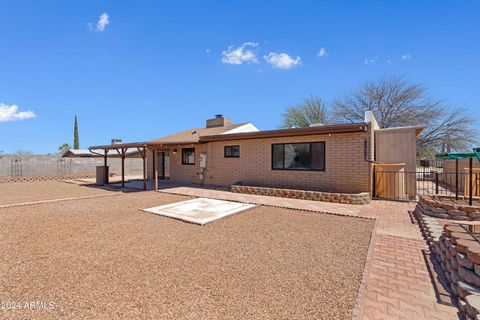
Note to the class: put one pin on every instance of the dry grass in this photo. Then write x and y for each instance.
(102, 258)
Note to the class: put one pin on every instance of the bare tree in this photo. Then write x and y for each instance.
(310, 111)
(396, 102)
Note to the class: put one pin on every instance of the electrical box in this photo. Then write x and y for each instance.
(203, 160)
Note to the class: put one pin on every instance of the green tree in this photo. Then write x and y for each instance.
(64, 148)
(76, 141)
(309, 112)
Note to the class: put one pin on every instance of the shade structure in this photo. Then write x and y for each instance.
(459, 155)
(464, 155)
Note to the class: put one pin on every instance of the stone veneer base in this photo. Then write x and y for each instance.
(45, 178)
(435, 206)
(347, 198)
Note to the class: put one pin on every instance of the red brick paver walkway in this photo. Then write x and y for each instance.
(399, 284)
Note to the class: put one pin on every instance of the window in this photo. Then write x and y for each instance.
(232, 151)
(299, 156)
(188, 156)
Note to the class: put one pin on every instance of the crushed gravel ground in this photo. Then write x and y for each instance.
(11, 193)
(102, 258)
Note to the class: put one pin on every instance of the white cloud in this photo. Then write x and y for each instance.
(244, 53)
(101, 24)
(282, 60)
(323, 52)
(369, 61)
(11, 113)
(405, 56)
(207, 50)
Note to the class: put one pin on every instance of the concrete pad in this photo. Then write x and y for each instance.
(200, 211)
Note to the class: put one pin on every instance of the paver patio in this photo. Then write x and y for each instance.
(399, 284)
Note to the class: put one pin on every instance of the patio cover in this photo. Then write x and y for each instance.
(463, 155)
(459, 155)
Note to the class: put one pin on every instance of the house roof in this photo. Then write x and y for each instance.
(82, 153)
(418, 129)
(195, 135)
(184, 137)
(200, 135)
(326, 129)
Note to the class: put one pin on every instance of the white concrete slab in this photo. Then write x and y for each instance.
(201, 210)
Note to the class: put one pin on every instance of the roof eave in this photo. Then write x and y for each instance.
(120, 145)
(327, 129)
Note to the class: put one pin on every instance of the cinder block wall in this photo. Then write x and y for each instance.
(49, 165)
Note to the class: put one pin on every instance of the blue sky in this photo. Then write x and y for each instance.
(158, 67)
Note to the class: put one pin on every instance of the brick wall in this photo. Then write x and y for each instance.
(183, 172)
(346, 169)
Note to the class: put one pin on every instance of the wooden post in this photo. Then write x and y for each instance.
(155, 169)
(105, 154)
(374, 192)
(456, 179)
(470, 174)
(144, 156)
(123, 166)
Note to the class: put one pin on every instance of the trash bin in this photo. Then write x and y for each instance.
(101, 175)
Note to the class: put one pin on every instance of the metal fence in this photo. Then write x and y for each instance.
(408, 185)
(430, 163)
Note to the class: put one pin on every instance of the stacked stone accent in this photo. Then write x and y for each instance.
(458, 253)
(45, 178)
(357, 198)
(444, 207)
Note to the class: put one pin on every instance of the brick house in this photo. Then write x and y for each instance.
(330, 158)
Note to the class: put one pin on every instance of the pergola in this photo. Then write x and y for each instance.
(463, 155)
(122, 149)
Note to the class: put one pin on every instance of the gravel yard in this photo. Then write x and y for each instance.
(43, 190)
(102, 258)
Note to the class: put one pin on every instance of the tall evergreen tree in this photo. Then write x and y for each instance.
(76, 142)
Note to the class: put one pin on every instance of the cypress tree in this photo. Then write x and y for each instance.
(76, 142)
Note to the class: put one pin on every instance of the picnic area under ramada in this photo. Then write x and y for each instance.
(101, 257)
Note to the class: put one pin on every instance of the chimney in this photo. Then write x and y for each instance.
(218, 121)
